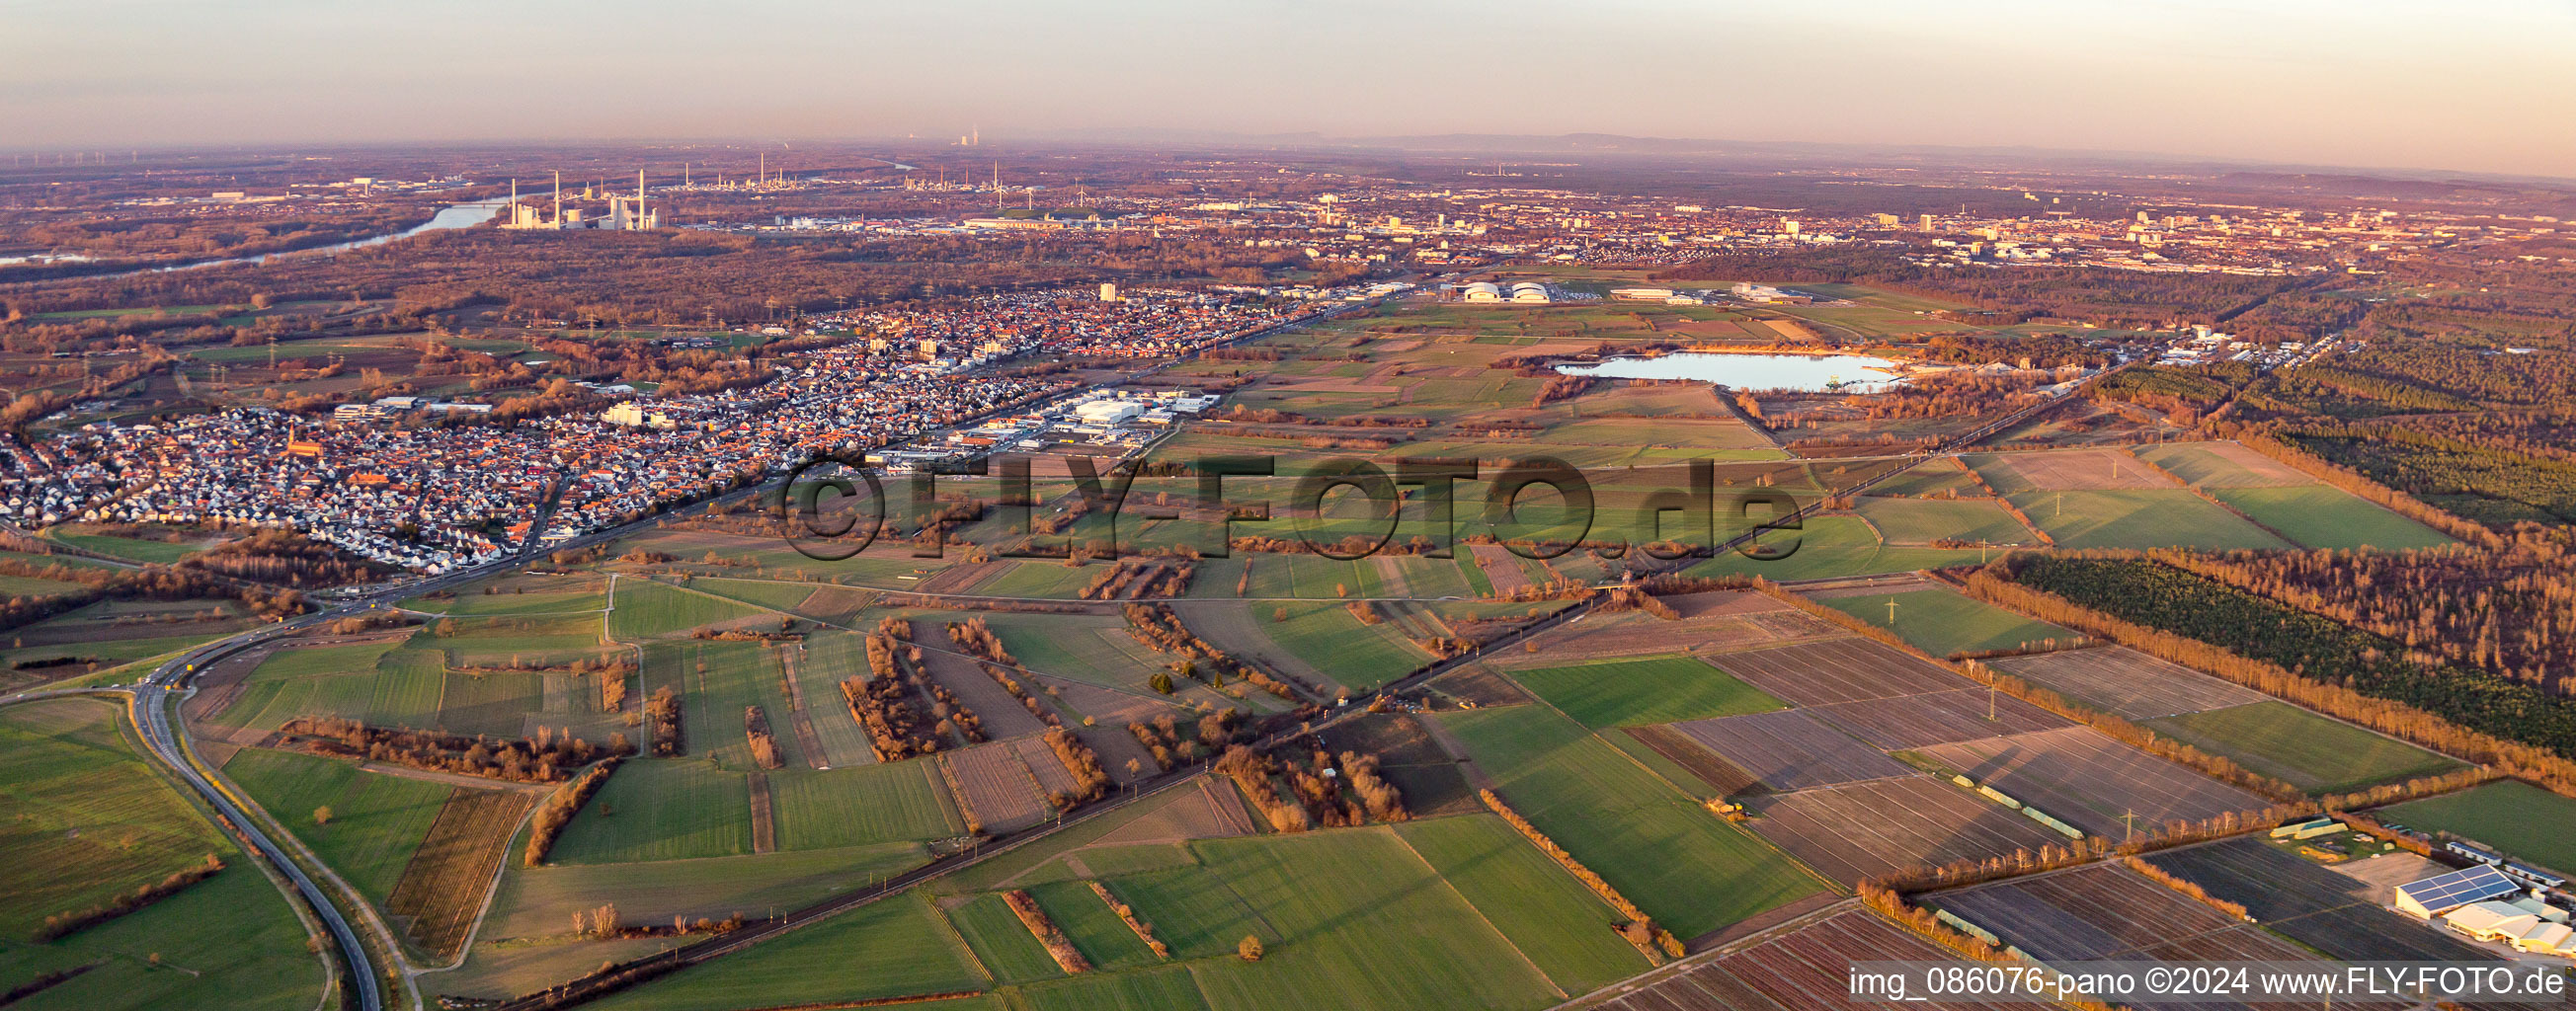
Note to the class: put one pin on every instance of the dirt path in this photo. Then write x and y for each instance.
(764, 824)
(807, 741)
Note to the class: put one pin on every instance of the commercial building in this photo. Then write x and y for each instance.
(2442, 893)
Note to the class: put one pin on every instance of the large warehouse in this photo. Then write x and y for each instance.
(2442, 893)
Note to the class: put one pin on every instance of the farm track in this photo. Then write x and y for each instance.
(807, 741)
(764, 817)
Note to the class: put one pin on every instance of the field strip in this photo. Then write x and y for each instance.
(807, 740)
(764, 819)
(1488, 921)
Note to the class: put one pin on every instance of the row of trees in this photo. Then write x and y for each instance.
(1640, 929)
(764, 745)
(60, 925)
(662, 722)
(1160, 629)
(555, 813)
(546, 758)
(979, 641)
(1050, 936)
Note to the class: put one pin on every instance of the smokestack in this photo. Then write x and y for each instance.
(559, 198)
(639, 191)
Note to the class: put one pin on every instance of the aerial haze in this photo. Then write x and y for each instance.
(1250, 505)
(2391, 83)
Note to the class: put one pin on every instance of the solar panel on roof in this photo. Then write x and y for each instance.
(2460, 887)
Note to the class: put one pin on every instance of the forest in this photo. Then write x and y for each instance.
(2160, 595)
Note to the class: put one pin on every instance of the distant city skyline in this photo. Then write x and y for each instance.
(2388, 84)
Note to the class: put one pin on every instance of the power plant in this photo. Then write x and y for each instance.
(624, 214)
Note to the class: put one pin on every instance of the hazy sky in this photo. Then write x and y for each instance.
(2486, 86)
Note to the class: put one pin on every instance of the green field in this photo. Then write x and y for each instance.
(642, 609)
(2311, 752)
(2521, 819)
(1687, 869)
(889, 948)
(1046, 579)
(1193, 911)
(1172, 988)
(539, 902)
(133, 549)
(30, 586)
(1920, 521)
(1361, 922)
(2319, 516)
(1548, 915)
(1095, 929)
(862, 805)
(1664, 689)
(762, 593)
(86, 817)
(377, 820)
(1831, 546)
(1943, 622)
(542, 602)
(661, 809)
(256, 960)
(2197, 464)
(1001, 942)
(2139, 518)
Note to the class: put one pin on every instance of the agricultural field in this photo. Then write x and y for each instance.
(1656, 690)
(1945, 622)
(898, 946)
(2312, 905)
(88, 818)
(640, 609)
(2513, 816)
(2317, 516)
(2222, 465)
(1790, 750)
(1808, 967)
(1838, 670)
(1689, 870)
(442, 888)
(135, 549)
(1708, 623)
(2309, 751)
(1861, 830)
(1538, 907)
(2090, 781)
(661, 809)
(375, 823)
(1320, 641)
(2162, 517)
(2127, 683)
(1826, 547)
(1921, 521)
(2195, 607)
(2105, 911)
